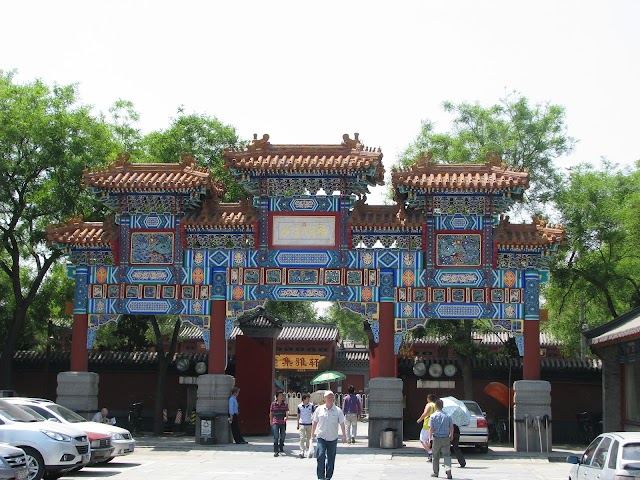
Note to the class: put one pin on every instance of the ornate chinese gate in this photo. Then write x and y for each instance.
(305, 232)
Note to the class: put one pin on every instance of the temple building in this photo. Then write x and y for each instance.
(444, 250)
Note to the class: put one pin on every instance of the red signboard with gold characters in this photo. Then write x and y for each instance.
(298, 362)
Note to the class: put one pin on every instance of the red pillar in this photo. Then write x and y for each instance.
(374, 371)
(531, 367)
(386, 358)
(217, 341)
(79, 355)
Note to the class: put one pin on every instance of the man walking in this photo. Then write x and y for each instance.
(278, 421)
(326, 419)
(352, 411)
(234, 411)
(441, 430)
(305, 420)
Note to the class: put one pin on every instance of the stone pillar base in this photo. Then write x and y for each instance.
(532, 416)
(79, 392)
(213, 401)
(385, 409)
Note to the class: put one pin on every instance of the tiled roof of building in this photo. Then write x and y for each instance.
(80, 233)
(213, 213)
(484, 177)
(527, 235)
(488, 338)
(625, 327)
(592, 364)
(381, 216)
(122, 359)
(319, 332)
(122, 175)
(350, 157)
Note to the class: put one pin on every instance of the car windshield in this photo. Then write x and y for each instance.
(16, 414)
(474, 408)
(30, 410)
(66, 414)
(631, 451)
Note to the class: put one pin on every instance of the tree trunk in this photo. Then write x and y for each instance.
(467, 377)
(6, 360)
(161, 379)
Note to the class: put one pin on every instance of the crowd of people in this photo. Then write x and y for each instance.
(324, 424)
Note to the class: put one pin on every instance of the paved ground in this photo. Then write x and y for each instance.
(175, 457)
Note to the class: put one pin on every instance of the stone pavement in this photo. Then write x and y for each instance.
(179, 457)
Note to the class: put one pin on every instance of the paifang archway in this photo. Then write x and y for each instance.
(305, 232)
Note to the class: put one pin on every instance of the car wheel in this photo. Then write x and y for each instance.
(484, 448)
(35, 463)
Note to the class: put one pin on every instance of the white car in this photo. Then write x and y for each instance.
(121, 440)
(50, 448)
(611, 456)
(477, 432)
(13, 463)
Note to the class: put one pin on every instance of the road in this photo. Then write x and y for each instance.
(176, 458)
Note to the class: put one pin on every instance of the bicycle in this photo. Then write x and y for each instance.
(134, 418)
(498, 430)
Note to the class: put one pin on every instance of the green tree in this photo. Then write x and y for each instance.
(525, 136)
(350, 324)
(597, 274)
(203, 136)
(292, 312)
(46, 140)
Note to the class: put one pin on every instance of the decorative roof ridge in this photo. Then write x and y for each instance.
(425, 164)
(383, 215)
(554, 234)
(212, 211)
(76, 231)
(263, 145)
(123, 162)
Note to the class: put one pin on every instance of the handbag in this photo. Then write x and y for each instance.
(312, 451)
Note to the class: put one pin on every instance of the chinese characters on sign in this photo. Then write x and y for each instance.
(298, 362)
(301, 231)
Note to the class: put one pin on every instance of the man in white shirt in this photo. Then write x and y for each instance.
(326, 419)
(305, 421)
(103, 417)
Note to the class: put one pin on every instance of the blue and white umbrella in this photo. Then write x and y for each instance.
(457, 410)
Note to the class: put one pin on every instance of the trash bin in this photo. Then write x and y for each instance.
(389, 438)
(207, 431)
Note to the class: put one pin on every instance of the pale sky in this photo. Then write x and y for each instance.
(308, 72)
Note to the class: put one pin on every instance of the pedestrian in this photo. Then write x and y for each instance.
(441, 430)
(352, 409)
(425, 438)
(234, 412)
(305, 420)
(455, 446)
(326, 419)
(103, 417)
(278, 422)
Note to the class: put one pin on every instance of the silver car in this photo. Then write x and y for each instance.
(611, 456)
(49, 447)
(121, 440)
(477, 432)
(13, 463)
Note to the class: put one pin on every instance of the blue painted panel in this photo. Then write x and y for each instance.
(458, 278)
(149, 275)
